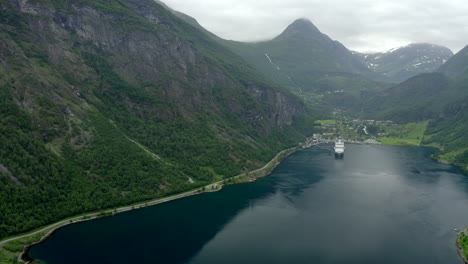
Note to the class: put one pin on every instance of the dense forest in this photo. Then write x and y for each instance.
(103, 105)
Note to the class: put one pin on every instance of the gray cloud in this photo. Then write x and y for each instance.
(362, 25)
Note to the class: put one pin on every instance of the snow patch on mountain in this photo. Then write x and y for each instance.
(400, 63)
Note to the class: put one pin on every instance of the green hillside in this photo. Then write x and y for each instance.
(419, 98)
(306, 60)
(432, 97)
(450, 129)
(106, 104)
(457, 65)
(329, 77)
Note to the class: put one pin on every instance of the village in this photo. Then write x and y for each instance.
(368, 131)
(353, 131)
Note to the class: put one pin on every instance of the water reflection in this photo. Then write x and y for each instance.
(377, 205)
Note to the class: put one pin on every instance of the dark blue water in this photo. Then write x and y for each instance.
(380, 204)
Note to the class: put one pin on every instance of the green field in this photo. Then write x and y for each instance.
(452, 155)
(409, 134)
(330, 121)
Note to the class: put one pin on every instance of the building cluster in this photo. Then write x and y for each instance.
(351, 130)
(373, 122)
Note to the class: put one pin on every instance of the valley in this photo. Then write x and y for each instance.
(108, 107)
(371, 131)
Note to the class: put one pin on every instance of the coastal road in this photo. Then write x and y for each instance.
(85, 217)
(90, 216)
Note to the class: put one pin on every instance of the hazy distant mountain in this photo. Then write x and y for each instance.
(302, 38)
(402, 63)
(307, 61)
(320, 54)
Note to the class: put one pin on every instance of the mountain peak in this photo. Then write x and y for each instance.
(302, 24)
(302, 21)
(300, 27)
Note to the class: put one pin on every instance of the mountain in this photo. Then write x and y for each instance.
(308, 62)
(419, 98)
(313, 65)
(449, 130)
(402, 63)
(324, 72)
(432, 97)
(457, 65)
(106, 104)
(321, 53)
(424, 96)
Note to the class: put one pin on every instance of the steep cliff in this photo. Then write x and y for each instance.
(108, 103)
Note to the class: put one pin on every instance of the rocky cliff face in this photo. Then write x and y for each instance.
(146, 51)
(105, 100)
(283, 111)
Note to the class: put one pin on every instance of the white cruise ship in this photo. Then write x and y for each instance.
(339, 147)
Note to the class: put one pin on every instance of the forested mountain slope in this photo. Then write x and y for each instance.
(435, 97)
(457, 65)
(419, 98)
(307, 61)
(328, 75)
(313, 65)
(108, 103)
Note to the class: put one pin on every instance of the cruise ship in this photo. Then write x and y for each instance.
(339, 147)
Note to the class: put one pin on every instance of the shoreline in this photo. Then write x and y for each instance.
(247, 177)
(463, 168)
(460, 250)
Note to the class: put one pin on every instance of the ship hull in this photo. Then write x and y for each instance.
(339, 155)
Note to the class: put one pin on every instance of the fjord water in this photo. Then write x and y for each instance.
(379, 204)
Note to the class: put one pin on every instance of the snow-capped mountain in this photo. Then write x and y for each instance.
(402, 63)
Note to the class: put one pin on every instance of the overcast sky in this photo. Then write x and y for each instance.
(362, 25)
